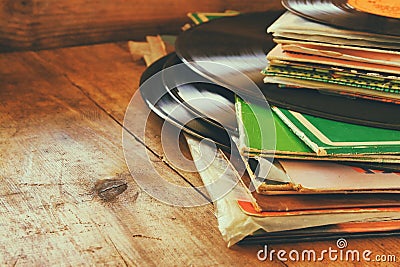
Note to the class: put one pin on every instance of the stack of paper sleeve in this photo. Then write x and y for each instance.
(322, 57)
(327, 176)
(324, 179)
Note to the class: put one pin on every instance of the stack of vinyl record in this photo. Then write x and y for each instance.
(311, 131)
(353, 63)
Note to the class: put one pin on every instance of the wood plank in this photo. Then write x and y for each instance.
(99, 81)
(56, 144)
(39, 24)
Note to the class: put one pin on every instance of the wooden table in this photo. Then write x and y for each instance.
(60, 126)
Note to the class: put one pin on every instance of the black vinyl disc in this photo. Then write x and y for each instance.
(211, 102)
(241, 43)
(174, 112)
(341, 13)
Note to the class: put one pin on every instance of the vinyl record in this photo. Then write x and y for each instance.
(241, 43)
(200, 127)
(380, 17)
(212, 102)
(174, 112)
(238, 42)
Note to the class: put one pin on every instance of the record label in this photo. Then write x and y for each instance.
(385, 8)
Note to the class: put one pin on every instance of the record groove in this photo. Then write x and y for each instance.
(164, 106)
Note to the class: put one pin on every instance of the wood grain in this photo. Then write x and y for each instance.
(39, 24)
(60, 135)
(107, 77)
